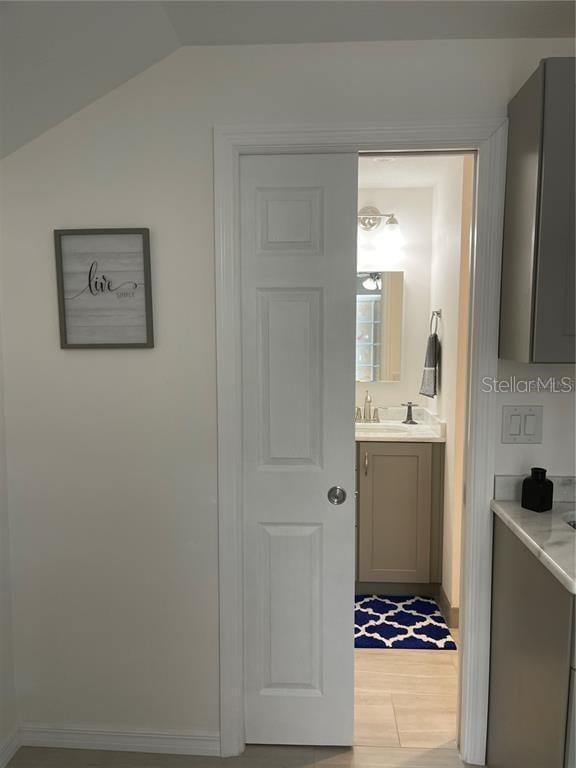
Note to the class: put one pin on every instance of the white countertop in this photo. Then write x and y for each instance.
(547, 536)
(402, 433)
(391, 429)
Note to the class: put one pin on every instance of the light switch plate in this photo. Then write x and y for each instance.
(522, 423)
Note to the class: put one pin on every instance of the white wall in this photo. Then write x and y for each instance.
(413, 209)
(557, 452)
(8, 717)
(445, 277)
(112, 454)
(445, 295)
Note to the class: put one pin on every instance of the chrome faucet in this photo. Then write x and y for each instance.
(368, 415)
(409, 419)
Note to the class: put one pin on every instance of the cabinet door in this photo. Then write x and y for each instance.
(570, 757)
(554, 340)
(529, 659)
(394, 512)
(537, 317)
(520, 215)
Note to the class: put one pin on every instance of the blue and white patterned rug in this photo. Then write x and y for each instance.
(400, 622)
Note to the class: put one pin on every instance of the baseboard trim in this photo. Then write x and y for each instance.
(8, 748)
(204, 743)
(451, 614)
(396, 589)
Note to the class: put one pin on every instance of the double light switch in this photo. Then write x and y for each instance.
(522, 424)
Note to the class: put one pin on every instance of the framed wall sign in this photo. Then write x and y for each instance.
(104, 290)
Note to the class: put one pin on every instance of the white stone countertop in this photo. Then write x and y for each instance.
(391, 429)
(546, 534)
(402, 433)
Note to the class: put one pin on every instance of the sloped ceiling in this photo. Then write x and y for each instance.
(58, 57)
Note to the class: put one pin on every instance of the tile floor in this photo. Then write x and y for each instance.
(253, 757)
(405, 718)
(406, 698)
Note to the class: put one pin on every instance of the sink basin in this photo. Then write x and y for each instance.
(570, 518)
(392, 429)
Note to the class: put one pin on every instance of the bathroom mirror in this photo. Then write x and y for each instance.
(379, 297)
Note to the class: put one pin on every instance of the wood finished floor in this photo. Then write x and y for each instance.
(405, 718)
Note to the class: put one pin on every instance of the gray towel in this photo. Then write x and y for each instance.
(429, 386)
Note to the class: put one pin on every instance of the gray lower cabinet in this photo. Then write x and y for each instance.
(394, 512)
(531, 646)
(570, 761)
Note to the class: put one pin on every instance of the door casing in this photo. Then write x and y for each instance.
(488, 139)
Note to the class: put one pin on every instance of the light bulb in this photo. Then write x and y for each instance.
(373, 282)
(393, 235)
(378, 249)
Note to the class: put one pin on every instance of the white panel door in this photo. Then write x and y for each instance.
(298, 263)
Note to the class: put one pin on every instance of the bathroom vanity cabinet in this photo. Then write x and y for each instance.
(399, 512)
(533, 643)
(538, 297)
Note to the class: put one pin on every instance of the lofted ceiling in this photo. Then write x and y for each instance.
(58, 57)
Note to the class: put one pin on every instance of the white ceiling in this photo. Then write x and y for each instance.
(58, 57)
(400, 171)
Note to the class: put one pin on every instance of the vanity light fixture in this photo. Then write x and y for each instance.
(370, 218)
(377, 246)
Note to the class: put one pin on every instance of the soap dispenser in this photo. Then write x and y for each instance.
(537, 491)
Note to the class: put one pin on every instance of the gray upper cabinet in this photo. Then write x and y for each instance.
(537, 321)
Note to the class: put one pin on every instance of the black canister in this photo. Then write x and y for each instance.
(537, 491)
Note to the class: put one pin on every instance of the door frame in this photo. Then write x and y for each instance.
(488, 139)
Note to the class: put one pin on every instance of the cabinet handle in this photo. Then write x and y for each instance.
(366, 463)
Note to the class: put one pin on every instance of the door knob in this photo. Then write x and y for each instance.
(336, 495)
